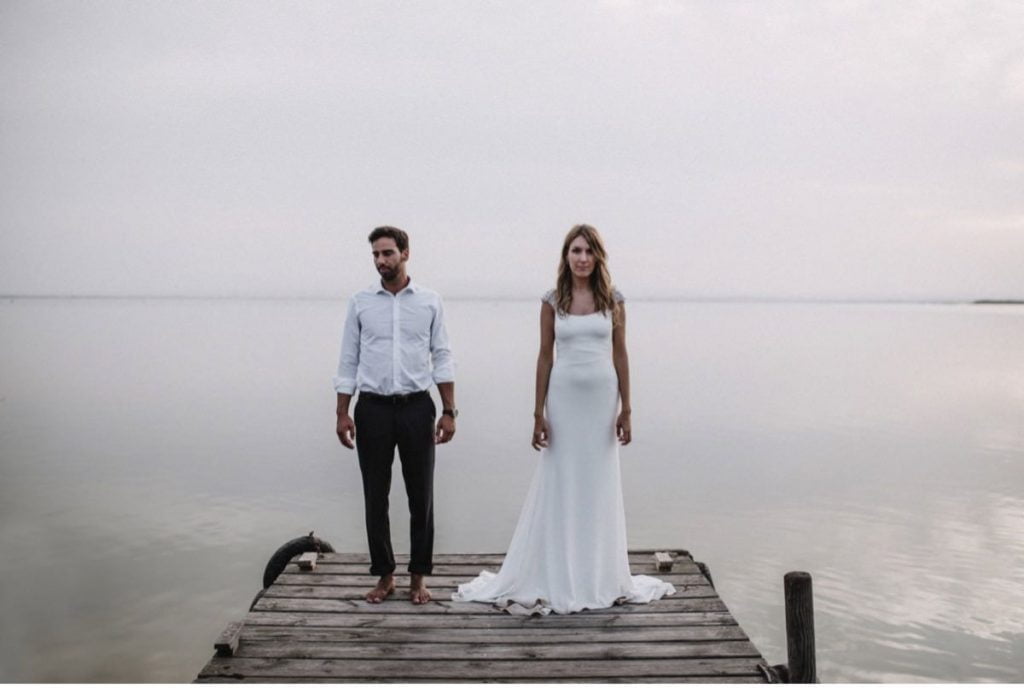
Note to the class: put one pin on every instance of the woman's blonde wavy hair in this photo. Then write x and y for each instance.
(600, 278)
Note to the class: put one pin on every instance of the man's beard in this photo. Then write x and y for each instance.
(388, 274)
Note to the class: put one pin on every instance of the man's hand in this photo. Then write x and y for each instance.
(445, 429)
(346, 430)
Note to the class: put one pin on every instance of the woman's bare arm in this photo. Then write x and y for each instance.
(620, 357)
(545, 359)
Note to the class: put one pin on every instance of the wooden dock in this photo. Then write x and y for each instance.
(315, 626)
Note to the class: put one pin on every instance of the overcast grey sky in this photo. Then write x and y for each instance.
(765, 149)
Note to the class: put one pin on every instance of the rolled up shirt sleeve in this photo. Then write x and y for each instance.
(348, 362)
(440, 348)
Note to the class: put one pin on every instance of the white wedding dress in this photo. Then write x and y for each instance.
(568, 551)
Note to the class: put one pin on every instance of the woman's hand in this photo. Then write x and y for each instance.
(541, 433)
(624, 428)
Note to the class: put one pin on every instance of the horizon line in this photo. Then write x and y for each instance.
(680, 298)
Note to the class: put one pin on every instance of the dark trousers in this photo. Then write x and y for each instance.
(381, 425)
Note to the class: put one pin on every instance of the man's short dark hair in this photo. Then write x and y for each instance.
(385, 232)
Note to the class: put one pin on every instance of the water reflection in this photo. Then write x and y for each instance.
(903, 591)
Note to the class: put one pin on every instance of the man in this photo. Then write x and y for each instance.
(394, 331)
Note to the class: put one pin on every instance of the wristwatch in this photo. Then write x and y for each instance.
(453, 412)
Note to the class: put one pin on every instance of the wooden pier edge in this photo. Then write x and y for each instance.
(313, 625)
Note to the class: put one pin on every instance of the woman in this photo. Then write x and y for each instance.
(568, 551)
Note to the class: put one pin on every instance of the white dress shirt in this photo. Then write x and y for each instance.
(391, 340)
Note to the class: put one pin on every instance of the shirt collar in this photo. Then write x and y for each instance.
(410, 287)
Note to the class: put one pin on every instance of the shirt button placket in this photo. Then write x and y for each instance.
(395, 344)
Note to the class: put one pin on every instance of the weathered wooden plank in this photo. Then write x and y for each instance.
(291, 604)
(497, 620)
(463, 570)
(440, 593)
(351, 579)
(490, 558)
(471, 569)
(402, 560)
(342, 669)
(505, 636)
(596, 651)
(738, 678)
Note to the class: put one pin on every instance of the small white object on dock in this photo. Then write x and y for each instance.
(307, 562)
(663, 560)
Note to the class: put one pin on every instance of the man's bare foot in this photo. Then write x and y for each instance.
(385, 586)
(418, 592)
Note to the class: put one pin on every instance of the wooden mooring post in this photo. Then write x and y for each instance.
(800, 628)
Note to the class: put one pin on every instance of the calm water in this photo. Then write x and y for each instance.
(154, 453)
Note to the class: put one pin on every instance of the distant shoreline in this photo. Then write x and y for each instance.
(641, 299)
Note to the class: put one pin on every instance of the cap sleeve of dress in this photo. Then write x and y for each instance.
(617, 295)
(549, 298)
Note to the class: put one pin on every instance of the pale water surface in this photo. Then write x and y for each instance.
(154, 453)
